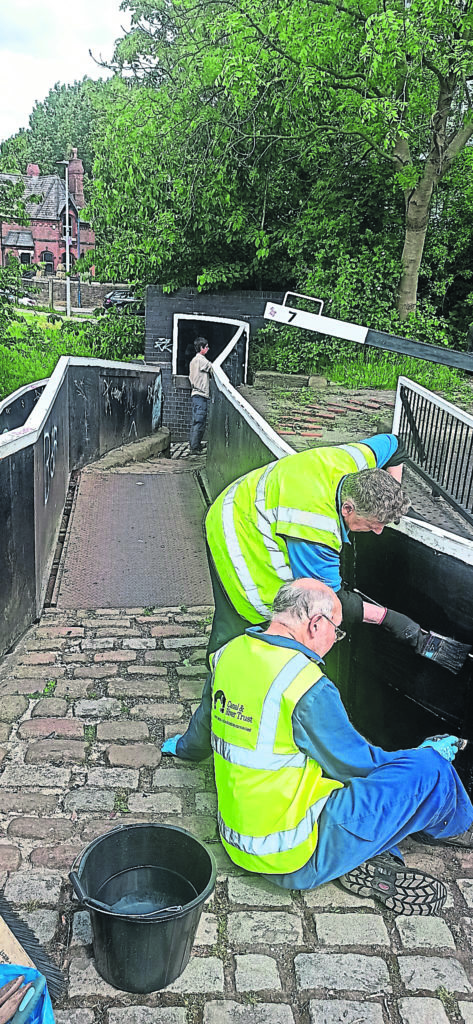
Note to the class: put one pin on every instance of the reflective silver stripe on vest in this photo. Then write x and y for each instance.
(263, 756)
(312, 519)
(276, 842)
(360, 459)
(264, 518)
(234, 550)
(255, 759)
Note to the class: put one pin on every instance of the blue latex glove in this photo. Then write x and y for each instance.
(169, 746)
(447, 746)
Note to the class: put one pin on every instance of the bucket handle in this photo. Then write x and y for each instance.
(91, 904)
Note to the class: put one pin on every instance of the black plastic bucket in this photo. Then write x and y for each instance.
(144, 886)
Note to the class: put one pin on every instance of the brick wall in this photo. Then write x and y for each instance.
(47, 235)
(236, 305)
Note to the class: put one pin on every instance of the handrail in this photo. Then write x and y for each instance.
(438, 437)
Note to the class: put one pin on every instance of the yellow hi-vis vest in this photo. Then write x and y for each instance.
(293, 497)
(270, 795)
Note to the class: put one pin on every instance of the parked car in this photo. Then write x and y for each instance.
(124, 301)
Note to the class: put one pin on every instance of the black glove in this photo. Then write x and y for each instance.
(352, 607)
(403, 629)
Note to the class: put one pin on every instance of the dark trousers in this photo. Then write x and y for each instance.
(199, 420)
(226, 623)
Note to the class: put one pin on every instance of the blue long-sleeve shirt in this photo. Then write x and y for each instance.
(319, 561)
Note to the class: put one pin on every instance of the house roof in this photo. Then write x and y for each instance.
(20, 239)
(49, 187)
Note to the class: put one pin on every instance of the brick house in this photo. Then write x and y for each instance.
(44, 241)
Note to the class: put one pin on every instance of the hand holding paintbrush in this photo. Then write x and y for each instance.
(446, 652)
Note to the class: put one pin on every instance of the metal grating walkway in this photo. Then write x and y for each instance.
(136, 540)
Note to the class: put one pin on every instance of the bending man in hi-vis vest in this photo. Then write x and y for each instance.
(302, 797)
(290, 519)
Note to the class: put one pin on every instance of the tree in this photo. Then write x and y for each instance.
(12, 208)
(388, 80)
(65, 118)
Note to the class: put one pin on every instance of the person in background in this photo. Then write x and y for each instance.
(303, 798)
(200, 369)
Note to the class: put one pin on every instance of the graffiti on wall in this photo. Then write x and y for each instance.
(50, 455)
(163, 344)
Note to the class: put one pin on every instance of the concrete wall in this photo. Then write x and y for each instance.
(15, 409)
(87, 407)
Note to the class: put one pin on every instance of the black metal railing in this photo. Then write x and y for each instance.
(439, 441)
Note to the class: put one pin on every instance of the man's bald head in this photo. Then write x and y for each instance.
(304, 598)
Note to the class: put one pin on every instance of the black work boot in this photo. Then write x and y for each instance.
(464, 841)
(402, 889)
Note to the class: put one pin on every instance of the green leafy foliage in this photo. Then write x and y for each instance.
(278, 144)
(29, 351)
(65, 118)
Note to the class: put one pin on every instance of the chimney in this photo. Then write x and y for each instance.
(32, 171)
(76, 180)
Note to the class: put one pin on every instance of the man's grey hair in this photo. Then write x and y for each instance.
(302, 602)
(375, 495)
(200, 343)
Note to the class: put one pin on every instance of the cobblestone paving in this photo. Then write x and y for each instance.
(87, 699)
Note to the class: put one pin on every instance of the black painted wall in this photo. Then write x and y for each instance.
(234, 446)
(15, 411)
(94, 407)
(394, 696)
(17, 546)
(109, 405)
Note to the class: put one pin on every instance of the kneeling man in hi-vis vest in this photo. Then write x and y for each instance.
(290, 519)
(303, 798)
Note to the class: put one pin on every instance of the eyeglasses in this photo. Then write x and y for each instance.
(339, 633)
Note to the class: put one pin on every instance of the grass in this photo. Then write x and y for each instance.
(381, 370)
(23, 364)
(121, 802)
(31, 344)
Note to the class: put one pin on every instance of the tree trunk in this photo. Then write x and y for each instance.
(417, 221)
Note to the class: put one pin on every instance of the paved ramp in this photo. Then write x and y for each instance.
(136, 539)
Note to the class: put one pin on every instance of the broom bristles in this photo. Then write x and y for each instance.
(26, 937)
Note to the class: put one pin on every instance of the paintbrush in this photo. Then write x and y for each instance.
(446, 652)
(450, 654)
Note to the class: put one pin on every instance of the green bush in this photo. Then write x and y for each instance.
(114, 336)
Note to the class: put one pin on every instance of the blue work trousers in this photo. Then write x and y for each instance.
(199, 420)
(419, 791)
